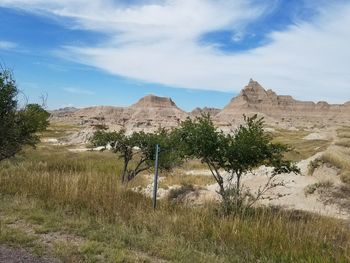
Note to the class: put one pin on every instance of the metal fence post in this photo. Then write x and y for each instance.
(155, 185)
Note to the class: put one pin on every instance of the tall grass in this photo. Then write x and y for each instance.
(344, 132)
(87, 184)
(337, 158)
(343, 142)
(183, 179)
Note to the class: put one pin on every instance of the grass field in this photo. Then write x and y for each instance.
(71, 206)
(339, 155)
(301, 149)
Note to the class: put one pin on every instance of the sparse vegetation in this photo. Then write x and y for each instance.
(313, 165)
(340, 158)
(343, 142)
(300, 149)
(55, 193)
(78, 194)
(344, 132)
(180, 192)
(310, 189)
(177, 178)
(337, 158)
(339, 155)
(345, 177)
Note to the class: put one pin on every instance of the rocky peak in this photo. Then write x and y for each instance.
(154, 101)
(197, 112)
(255, 93)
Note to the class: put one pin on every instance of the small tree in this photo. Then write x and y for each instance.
(248, 148)
(18, 127)
(138, 150)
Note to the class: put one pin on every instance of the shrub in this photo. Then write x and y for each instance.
(237, 154)
(18, 126)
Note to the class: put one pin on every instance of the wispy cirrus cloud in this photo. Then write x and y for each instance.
(158, 41)
(7, 45)
(78, 91)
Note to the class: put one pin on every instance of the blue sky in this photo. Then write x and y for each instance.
(199, 52)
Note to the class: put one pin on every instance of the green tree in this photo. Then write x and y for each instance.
(236, 154)
(18, 126)
(138, 150)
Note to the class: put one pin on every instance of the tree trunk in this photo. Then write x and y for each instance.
(125, 169)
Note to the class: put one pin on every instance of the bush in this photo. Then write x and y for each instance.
(18, 125)
(248, 148)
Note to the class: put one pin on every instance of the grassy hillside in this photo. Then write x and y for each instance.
(71, 206)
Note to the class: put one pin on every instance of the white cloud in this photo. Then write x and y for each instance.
(78, 91)
(7, 45)
(157, 42)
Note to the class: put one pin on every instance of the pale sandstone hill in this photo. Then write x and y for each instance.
(99, 114)
(148, 114)
(63, 113)
(152, 112)
(197, 112)
(255, 99)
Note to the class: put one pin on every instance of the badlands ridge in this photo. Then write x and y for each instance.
(152, 112)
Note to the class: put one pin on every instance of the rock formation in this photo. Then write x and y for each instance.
(152, 112)
(197, 112)
(63, 113)
(148, 114)
(255, 99)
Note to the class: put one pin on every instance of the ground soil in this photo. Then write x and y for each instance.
(18, 255)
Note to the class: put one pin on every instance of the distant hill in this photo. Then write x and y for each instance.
(276, 108)
(152, 112)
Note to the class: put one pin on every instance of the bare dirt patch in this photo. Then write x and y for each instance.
(18, 255)
(48, 239)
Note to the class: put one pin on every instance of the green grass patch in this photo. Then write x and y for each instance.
(301, 149)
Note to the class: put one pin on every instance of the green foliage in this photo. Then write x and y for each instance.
(18, 127)
(139, 146)
(248, 148)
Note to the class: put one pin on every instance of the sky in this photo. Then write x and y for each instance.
(198, 52)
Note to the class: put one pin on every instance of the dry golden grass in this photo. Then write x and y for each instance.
(301, 149)
(343, 132)
(343, 142)
(345, 177)
(194, 165)
(340, 158)
(337, 158)
(80, 194)
(182, 179)
(58, 130)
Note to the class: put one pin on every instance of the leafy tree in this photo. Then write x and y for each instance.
(237, 154)
(18, 126)
(138, 150)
